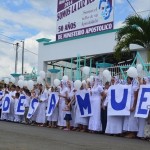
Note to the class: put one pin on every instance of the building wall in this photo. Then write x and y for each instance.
(98, 44)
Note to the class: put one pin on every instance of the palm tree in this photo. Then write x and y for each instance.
(135, 31)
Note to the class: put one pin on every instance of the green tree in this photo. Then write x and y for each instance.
(135, 31)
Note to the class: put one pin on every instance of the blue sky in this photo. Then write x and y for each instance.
(31, 19)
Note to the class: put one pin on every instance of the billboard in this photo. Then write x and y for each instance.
(82, 17)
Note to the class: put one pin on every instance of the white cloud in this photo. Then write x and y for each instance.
(118, 24)
(7, 57)
(30, 19)
(33, 19)
(46, 4)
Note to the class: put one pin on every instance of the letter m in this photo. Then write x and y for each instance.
(84, 103)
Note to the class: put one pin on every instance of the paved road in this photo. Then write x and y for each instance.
(23, 137)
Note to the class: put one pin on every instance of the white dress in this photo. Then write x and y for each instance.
(41, 110)
(61, 106)
(71, 95)
(54, 116)
(131, 122)
(142, 124)
(78, 119)
(12, 103)
(95, 119)
(114, 123)
(16, 117)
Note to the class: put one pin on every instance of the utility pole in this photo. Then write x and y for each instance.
(16, 59)
(22, 57)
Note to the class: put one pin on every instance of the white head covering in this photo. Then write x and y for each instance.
(96, 81)
(146, 80)
(116, 79)
(71, 83)
(135, 82)
(64, 84)
(123, 82)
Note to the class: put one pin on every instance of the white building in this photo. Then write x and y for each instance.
(99, 47)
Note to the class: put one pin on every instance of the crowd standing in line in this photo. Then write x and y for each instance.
(66, 115)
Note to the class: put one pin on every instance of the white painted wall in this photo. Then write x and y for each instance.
(92, 45)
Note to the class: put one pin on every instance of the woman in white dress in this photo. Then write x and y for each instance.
(12, 103)
(130, 125)
(71, 98)
(114, 123)
(61, 105)
(95, 119)
(41, 110)
(142, 121)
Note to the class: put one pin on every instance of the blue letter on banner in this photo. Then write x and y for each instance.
(20, 103)
(143, 99)
(6, 104)
(52, 103)
(34, 101)
(121, 105)
(84, 103)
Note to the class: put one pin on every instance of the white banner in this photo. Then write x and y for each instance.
(143, 102)
(52, 103)
(82, 17)
(6, 104)
(119, 99)
(84, 103)
(20, 109)
(33, 107)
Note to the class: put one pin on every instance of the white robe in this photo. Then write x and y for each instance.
(95, 119)
(114, 123)
(61, 115)
(12, 103)
(131, 122)
(41, 110)
(54, 116)
(16, 117)
(142, 124)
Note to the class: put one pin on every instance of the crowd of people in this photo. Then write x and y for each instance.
(66, 115)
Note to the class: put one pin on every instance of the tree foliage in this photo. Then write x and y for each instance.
(135, 31)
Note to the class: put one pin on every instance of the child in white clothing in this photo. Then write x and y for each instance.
(16, 117)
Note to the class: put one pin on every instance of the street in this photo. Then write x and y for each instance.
(24, 137)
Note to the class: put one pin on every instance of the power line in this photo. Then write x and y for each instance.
(7, 36)
(19, 46)
(143, 11)
(133, 8)
(29, 51)
(6, 42)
